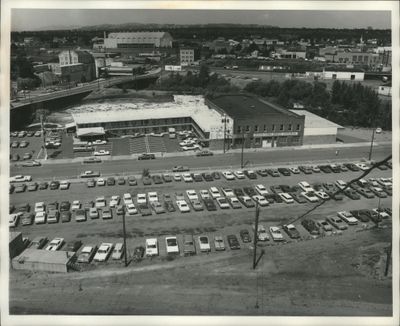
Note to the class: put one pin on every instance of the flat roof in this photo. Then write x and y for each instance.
(246, 106)
(314, 121)
(45, 256)
(95, 131)
(13, 235)
(182, 106)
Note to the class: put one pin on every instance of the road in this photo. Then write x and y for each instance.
(228, 160)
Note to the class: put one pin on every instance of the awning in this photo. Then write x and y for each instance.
(70, 125)
(87, 132)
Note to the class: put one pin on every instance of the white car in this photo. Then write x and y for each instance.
(310, 196)
(262, 233)
(171, 244)
(239, 174)
(114, 201)
(127, 199)
(55, 244)
(204, 194)
(101, 152)
(381, 213)
(177, 177)
(294, 170)
(187, 177)
(183, 206)
(341, 184)
(152, 196)
(322, 194)
(214, 192)
(276, 233)
(76, 204)
(287, 198)
(40, 217)
(64, 185)
(192, 195)
(13, 219)
(204, 244)
(93, 213)
(101, 182)
(386, 182)
(362, 166)
(21, 178)
(151, 247)
(261, 189)
(223, 202)
(228, 175)
(305, 186)
(228, 192)
(103, 252)
(99, 142)
(100, 202)
(347, 217)
(40, 207)
(261, 200)
(141, 198)
(131, 209)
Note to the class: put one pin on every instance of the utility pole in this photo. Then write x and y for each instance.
(388, 257)
(372, 144)
(255, 237)
(224, 132)
(241, 164)
(124, 231)
(43, 136)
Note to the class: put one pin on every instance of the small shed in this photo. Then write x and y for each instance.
(44, 260)
(385, 89)
(15, 244)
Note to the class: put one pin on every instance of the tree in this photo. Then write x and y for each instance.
(204, 75)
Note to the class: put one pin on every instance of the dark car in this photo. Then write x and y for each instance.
(54, 185)
(132, 181)
(216, 175)
(146, 156)
(169, 206)
(144, 209)
(87, 205)
(189, 247)
(285, 188)
(278, 199)
(14, 157)
(167, 178)
(291, 230)
(305, 169)
(366, 193)
(157, 179)
(207, 176)
(204, 153)
(233, 242)
(197, 177)
(53, 206)
(270, 198)
(110, 181)
(27, 219)
(11, 189)
(180, 168)
(276, 189)
(91, 183)
(352, 194)
(25, 207)
(352, 167)
(262, 172)
(250, 174)
(43, 185)
(138, 254)
(273, 172)
(249, 191)
(238, 192)
(335, 168)
(120, 210)
(73, 246)
(284, 171)
(209, 204)
(121, 181)
(65, 216)
(245, 235)
(298, 198)
(38, 243)
(92, 160)
(382, 167)
(146, 181)
(325, 168)
(335, 196)
(310, 226)
(361, 215)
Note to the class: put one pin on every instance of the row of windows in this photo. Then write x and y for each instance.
(137, 123)
(264, 128)
(134, 45)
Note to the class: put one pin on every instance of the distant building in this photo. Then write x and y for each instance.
(187, 56)
(75, 66)
(385, 89)
(138, 40)
(31, 41)
(290, 54)
(342, 74)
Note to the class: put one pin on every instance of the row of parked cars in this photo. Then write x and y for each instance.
(18, 185)
(23, 133)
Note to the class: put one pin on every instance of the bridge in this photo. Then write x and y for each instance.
(82, 90)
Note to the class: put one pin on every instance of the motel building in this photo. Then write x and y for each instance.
(236, 120)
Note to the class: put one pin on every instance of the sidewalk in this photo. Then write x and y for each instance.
(218, 152)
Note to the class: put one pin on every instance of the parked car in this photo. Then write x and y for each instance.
(246, 201)
(215, 192)
(261, 200)
(55, 244)
(324, 225)
(337, 222)
(273, 172)
(65, 216)
(103, 252)
(347, 217)
(233, 242)
(234, 202)
(183, 206)
(209, 204)
(223, 202)
(144, 209)
(276, 233)
(151, 247)
(292, 231)
(27, 219)
(310, 196)
(132, 181)
(80, 215)
(262, 234)
(189, 248)
(228, 175)
(38, 243)
(138, 253)
(310, 226)
(245, 235)
(261, 189)
(219, 243)
(73, 246)
(118, 251)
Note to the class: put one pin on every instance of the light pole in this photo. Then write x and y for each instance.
(242, 152)
(224, 121)
(124, 231)
(372, 144)
(255, 237)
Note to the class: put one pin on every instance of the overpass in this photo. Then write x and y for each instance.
(81, 90)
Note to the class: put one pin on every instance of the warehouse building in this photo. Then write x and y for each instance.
(15, 244)
(138, 40)
(318, 130)
(44, 260)
(343, 74)
(258, 123)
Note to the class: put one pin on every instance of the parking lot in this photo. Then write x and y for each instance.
(219, 222)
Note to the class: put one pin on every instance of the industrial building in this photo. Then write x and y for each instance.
(138, 40)
(342, 74)
(75, 66)
(44, 260)
(186, 56)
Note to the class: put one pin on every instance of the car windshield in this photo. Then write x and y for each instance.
(151, 246)
(171, 242)
(203, 240)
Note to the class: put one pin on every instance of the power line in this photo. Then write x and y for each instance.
(365, 173)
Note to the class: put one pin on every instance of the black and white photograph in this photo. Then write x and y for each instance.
(191, 160)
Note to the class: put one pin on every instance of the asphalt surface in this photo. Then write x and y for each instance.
(228, 160)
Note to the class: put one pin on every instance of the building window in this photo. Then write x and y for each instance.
(239, 129)
(290, 127)
(273, 127)
(334, 76)
(256, 128)
(352, 77)
(281, 128)
(265, 127)
(247, 128)
(298, 127)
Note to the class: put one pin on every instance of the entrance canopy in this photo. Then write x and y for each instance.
(90, 132)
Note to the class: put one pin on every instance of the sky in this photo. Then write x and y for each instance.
(45, 19)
